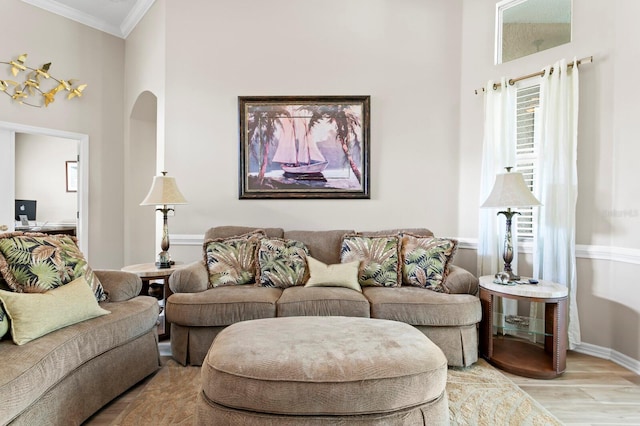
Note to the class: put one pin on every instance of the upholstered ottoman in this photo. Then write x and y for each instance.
(323, 371)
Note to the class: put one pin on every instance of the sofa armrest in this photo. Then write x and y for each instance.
(119, 285)
(461, 281)
(192, 278)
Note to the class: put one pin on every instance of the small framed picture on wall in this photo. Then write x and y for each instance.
(72, 176)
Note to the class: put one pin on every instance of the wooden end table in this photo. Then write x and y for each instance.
(148, 273)
(504, 340)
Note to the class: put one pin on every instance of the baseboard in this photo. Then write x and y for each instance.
(606, 353)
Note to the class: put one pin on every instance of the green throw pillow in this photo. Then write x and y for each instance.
(36, 263)
(282, 263)
(232, 261)
(379, 259)
(338, 275)
(426, 261)
(34, 315)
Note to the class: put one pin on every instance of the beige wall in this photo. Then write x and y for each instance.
(608, 217)
(402, 53)
(93, 57)
(144, 132)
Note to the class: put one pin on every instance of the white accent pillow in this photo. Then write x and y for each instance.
(337, 275)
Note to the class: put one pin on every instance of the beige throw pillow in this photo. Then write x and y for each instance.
(338, 275)
(35, 314)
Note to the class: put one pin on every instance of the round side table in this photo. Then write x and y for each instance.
(148, 273)
(505, 340)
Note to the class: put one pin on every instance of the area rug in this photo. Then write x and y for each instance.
(478, 395)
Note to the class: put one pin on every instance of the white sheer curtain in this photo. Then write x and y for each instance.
(554, 257)
(498, 152)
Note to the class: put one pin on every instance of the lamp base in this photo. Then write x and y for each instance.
(164, 260)
(512, 276)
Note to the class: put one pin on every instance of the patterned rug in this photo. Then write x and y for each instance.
(478, 395)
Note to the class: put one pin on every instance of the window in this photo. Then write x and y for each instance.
(527, 103)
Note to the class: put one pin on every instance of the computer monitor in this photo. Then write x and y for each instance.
(26, 208)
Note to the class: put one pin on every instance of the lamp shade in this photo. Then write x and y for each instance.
(510, 190)
(163, 191)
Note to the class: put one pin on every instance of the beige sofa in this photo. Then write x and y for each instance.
(198, 313)
(65, 376)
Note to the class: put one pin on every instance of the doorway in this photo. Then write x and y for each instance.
(10, 153)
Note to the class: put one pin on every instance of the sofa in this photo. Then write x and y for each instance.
(65, 376)
(197, 312)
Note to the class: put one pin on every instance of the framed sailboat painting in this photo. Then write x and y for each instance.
(304, 146)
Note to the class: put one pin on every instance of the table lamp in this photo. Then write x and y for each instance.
(510, 190)
(164, 192)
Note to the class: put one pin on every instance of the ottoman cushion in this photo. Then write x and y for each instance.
(323, 366)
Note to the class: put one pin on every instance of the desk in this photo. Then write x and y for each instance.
(50, 230)
(504, 341)
(149, 272)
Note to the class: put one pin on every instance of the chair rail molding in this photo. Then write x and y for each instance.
(583, 251)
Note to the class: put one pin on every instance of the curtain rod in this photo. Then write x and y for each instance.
(585, 60)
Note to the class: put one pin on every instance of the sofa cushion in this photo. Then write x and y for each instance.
(28, 371)
(336, 275)
(36, 263)
(425, 261)
(34, 315)
(323, 245)
(379, 259)
(234, 231)
(222, 306)
(415, 306)
(423, 232)
(322, 301)
(232, 261)
(282, 263)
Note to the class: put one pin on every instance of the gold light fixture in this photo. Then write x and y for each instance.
(164, 192)
(510, 190)
(33, 84)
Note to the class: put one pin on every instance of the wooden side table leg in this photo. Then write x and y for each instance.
(145, 287)
(555, 341)
(486, 325)
(165, 295)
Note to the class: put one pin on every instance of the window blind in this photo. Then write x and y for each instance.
(527, 103)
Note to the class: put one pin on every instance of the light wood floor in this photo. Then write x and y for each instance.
(592, 391)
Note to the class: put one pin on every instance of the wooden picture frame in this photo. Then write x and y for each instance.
(304, 146)
(71, 175)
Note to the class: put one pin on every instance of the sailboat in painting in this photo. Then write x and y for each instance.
(297, 152)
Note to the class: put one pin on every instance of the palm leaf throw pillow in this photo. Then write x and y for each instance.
(379, 259)
(425, 261)
(232, 261)
(37, 263)
(282, 263)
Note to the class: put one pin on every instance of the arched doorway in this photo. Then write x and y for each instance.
(140, 167)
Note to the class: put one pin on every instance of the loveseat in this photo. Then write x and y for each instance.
(65, 376)
(197, 313)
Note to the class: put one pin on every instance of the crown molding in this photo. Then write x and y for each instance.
(122, 31)
(135, 15)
